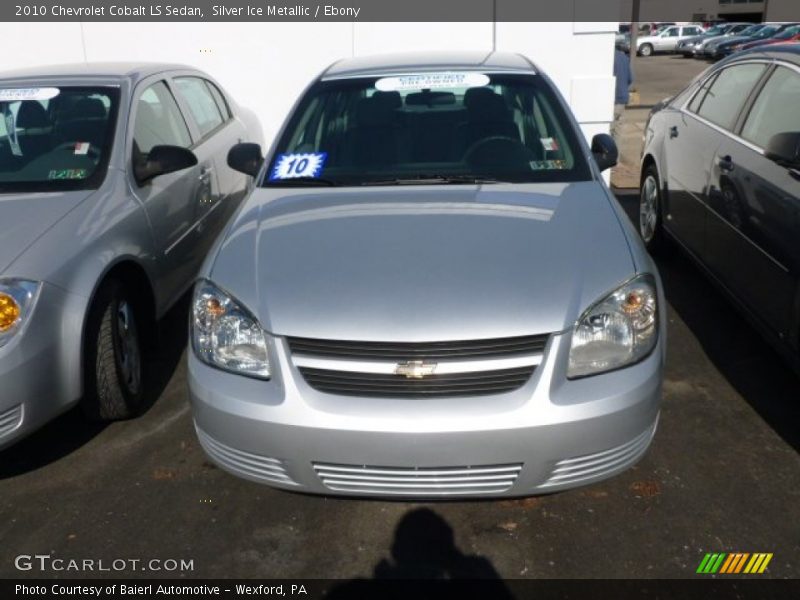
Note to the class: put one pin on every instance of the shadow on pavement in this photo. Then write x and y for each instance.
(71, 430)
(754, 369)
(424, 550)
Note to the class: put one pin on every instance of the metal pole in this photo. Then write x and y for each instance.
(634, 34)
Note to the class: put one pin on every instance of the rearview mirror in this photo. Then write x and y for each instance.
(245, 158)
(605, 152)
(784, 149)
(162, 160)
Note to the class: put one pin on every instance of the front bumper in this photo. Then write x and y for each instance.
(40, 366)
(548, 435)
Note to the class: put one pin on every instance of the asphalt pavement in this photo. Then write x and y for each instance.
(722, 475)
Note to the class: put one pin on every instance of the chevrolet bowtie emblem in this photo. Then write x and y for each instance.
(415, 369)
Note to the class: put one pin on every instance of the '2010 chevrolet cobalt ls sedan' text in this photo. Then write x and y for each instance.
(430, 293)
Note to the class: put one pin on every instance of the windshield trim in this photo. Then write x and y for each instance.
(96, 179)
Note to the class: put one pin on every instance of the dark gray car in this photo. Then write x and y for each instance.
(113, 186)
(721, 176)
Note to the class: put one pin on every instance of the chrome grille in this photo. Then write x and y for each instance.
(574, 470)
(10, 419)
(447, 369)
(262, 468)
(455, 384)
(422, 481)
(435, 351)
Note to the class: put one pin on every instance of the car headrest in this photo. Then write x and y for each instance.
(484, 105)
(87, 108)
(32, 115)
(378, 109)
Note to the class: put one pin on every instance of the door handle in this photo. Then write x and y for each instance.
(726, 163)
(673, 131)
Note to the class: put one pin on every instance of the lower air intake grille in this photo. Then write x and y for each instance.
(476, 383)
(427, 481)
(600, 464)
(10, 419)
(262, 468)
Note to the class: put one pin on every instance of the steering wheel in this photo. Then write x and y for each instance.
(93, 152)
(499, 151)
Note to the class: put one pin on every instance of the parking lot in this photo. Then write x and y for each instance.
(722, 475)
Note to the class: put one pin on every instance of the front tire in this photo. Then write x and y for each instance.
(650, 212)
(646, 50)
(113, 370)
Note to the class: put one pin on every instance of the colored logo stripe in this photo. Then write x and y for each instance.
(720, 562)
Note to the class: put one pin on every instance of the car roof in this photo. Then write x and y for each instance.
(787, 52)
(93, 71)
(382, 64)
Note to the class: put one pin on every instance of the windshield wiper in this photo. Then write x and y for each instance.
(300, 181)
(434, 180)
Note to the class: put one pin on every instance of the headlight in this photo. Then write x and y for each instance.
(17, 297)
(617, 331)
(226, 335)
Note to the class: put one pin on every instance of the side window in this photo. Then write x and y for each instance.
(671, 32)
(721, 102)
(201, 103)
(158, 121)
(776, 110)
(222, 104)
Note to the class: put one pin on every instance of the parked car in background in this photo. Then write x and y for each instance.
(653, 28)
(431, 293)
(686, 46)
(721, 176)
(728, 45)
(666, 40)
(113, 186)
(730, 29)
(787, 33)
(711, 49)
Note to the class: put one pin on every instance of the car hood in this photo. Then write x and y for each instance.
(693, 40)
(27, 216)
(734, 39)
(423, 263)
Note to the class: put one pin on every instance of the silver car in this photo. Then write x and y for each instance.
(113, 186)
(431, 292)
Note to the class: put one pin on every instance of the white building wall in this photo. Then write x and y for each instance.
(266, 65)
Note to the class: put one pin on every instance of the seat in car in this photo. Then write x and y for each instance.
(36, 136)
(375, 137)
(487, 116)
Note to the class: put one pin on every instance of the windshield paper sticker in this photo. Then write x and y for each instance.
(82, 147)
(292, 166)
(13, 95)
(426, 81)
(549, 144)
(67, 174)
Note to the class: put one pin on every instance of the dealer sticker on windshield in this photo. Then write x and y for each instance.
(426, 81)
(13, 95)
(294, 165)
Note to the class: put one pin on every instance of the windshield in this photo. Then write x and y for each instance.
(716, 30)
(55, 138)
(428, 128)
(752, 30)
(766, 32)
(788, 34)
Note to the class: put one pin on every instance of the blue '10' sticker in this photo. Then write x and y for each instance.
(292, 165)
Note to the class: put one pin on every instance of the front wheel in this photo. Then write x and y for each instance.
(650, 212)
(113, 372)
(646, 50)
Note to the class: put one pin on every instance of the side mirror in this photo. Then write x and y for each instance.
(784, 149)
(605, 151)
(245, 158)
(162, 160)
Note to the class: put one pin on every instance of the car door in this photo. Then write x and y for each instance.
(668, 40)
(691, 141)
(754, 228)
(217, 132)
(171, 201)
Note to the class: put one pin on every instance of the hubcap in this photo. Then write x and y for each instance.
(648, 209)
(128, 356)
(645, 50)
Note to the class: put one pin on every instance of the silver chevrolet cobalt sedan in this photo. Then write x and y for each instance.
(113, 187)
(430, 293)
